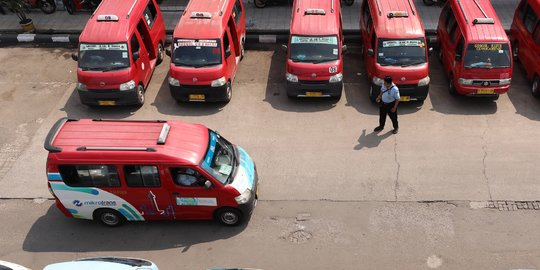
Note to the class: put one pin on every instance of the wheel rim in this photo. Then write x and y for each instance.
(229, 218)
(229, 91)
(140, 95)
(160, 51)
(535, 87)
(110, 219)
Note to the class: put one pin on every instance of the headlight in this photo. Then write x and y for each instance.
(173, 81)
(219, 82)
(424, 81)
(336, 78)
(81, 87)
(505, 81)
(244, 197)
(128, 86)
(465, 81)
(291, 77)
(377, 81)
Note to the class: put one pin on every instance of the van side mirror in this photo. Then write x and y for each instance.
(207, 184)
(370, 52)
(168, 52)
(343, 49)
(458, 57)
(430, 51)
(75, 57)
(136, 56)
(284, 47)
(228, 52)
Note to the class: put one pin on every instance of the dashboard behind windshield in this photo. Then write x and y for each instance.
(314, 48)
(103, 57)
(487, 55)
(401, 52)
(196, 52)
(220, 158)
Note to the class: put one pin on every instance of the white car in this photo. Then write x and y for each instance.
(104, 263)
(11, 266)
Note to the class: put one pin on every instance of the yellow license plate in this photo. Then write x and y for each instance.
(107, 103)
(485, 91)
(196, 97)
(404, 98)
(313, 94)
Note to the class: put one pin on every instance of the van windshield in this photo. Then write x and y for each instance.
(103, 57)
(314, 49)
(401, 52)
(487, 55)
(220, 160)
(196, 52)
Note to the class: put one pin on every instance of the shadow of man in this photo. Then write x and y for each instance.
(371, 140)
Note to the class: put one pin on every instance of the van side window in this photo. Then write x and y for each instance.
(536, 35)
(134, 44)
(521, 9)
(226, 44)
(142, 176)
(447, 15)
(150, 13)
(451, 26)
(530, 19)
(460, 46)
(373, 41)
(187, 177)
(89, 175)
(237, 12)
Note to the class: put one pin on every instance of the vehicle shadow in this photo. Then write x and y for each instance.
(55, 233)
(166, 104)
(276, 90)
(357, 86)
(76, 110)
(371, 140)
(443, 102)
(520, 95)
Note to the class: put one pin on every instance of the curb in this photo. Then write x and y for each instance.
(10, 39)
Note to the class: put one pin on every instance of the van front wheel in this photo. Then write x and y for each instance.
(140, 95)
(160, 54)
(535, 88)
(228, 93)
(229, 216)
(109, 217)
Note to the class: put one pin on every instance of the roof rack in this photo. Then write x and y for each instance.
(463, 12)
(398, 14)
(480, 7)
(314, 11)
(411, 6)
(163, 134)
(378, 7)
(96, 9)
(98, 148)
(483, 21)
(130, 10)
(222, 8)
(53, 132)
(127, 120)
(332, 6)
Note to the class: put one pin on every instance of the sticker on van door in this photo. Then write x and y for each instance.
(196, 201)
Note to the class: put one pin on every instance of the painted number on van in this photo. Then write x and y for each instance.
(332, 69)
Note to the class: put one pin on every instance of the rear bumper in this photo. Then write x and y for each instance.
(302, 89)
(211, 94)
(96, 98)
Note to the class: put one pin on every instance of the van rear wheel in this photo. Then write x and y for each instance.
(229, 216)
(109, 217)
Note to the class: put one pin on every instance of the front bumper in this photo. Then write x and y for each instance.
(412, 91)
(108, 97)
(247, 208)
(314, 89)
(211, 94)
(474, 91)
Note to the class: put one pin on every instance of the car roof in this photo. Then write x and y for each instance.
(387, 25)
(203, 26)
(126, 11)
(125, 140)
(467, 12)
(12, 266)
(88, 265)
(304, 22)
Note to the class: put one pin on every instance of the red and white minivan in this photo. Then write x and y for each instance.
(525, 37)
(207, 46)
(314, 65)
(119, 48)
(474, 49)
(118, 170)
(394, 44)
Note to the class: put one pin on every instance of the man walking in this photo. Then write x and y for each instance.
(388, 101)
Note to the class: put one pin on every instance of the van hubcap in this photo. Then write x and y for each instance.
(229, 218)
(109, 218)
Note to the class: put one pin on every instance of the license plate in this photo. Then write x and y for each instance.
(485, 91)
(313, 94)
(107, 103)
(404, 98)
(196, 97)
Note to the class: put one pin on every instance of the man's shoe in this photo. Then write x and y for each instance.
(395, 131)
(377, 129)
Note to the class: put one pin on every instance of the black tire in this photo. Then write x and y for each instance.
(228, 216)
(515, 51)
(428, 2)
(47, 6)
(260, 3)
(228, 93)
(372, 95)
(349, 2)
(160, 54)
(242, 50)
(70, 6)
(451, 88)
(494, 98)
(140, 95)
(109, 217)
(535, 87)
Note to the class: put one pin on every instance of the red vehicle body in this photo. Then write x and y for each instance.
(208, 44)
(119, 48)
(394, 44)
(474, 49)
(314, 65)
(114, 170)
(525, 37)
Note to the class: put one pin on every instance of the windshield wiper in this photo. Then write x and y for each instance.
(113, 68)
(323, 60)
(413, 63)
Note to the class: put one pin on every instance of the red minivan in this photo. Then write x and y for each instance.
(119, 48)
(208, 44)
(394, 44)
(525, 37)
(474, 49)
(314, 55)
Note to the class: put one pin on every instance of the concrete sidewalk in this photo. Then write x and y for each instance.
(272, 19)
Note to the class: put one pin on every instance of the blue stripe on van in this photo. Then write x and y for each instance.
(54, 177)
(126, 214)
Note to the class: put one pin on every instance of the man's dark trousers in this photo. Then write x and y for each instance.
(386, 109)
